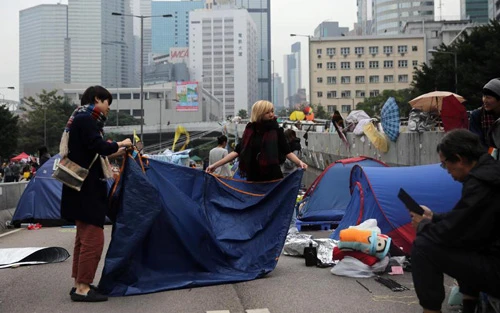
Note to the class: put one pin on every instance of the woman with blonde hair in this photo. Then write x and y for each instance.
(263, 147)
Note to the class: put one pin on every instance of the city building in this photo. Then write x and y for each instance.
(278, 91)
(437, 33)
(364, 23)
(42, 41)
(221, 41)
(293, 74)
(389, 16)
(475, 10)
(101, 46)
(496, 9)
(174, 31)
(260, 11)
(345, 70)
(330, 29)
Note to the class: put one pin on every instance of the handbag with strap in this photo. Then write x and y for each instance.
(71, 174)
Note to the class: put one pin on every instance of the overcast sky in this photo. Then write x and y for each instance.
(287, 16)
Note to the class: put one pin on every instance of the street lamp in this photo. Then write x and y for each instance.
(310, 58)
(456, 67)
(272, 79)
(142, 17)
(10, 87)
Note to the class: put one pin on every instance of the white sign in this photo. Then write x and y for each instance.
(179, 55)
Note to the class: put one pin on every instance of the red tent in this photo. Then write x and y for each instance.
(22, 156)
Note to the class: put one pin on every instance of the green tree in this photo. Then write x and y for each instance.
(9, 130)
(478, 56)
(124, 119)
(320, 112)
(243, 114)
(373, 105)
(44, 119)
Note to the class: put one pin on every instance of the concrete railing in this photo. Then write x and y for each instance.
(9, 197)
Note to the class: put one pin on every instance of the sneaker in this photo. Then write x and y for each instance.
(72, 291)
(91, 296)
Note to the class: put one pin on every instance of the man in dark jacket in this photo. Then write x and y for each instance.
(465, 242)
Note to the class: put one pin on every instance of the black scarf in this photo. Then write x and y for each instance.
(269, 152)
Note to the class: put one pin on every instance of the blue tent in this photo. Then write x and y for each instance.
(328, 196)
(41, 200)
(178, 227)
(375, 196)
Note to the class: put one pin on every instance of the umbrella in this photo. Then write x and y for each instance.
(390, 119)
(453, 114)
(297, 116)
(432, 101)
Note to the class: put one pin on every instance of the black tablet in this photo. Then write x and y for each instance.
(409, 202)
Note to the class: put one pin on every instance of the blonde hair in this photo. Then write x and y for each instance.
(260, 108)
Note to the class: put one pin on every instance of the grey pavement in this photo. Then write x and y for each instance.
(290, 288)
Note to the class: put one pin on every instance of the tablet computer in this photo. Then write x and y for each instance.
(409, 202)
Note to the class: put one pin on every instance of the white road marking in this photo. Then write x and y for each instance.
(11, 232)
(220, 311)
(258, 311)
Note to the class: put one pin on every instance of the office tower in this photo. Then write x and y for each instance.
(475, 10)
(260, 11)
(223, 57)
(293, 73)
(278, 94)
(100, 44)
(330, 29)
(363, 24)
(174, 31)
(42, 36)
(389, 17)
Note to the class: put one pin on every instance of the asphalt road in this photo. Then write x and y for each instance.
(290, 288)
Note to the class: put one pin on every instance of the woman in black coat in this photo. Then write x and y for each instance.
(82, 142)
(262, 148)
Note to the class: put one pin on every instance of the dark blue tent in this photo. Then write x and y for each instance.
(328, 196)
(375, 196)
(178, 227)
(41, 200)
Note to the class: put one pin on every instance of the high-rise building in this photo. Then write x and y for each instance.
(42, 37)
(293, 75)
(475, 10)
(223, 57)
(364, 18)
(278, 95)
(101, 47)
(260, 11)
(330, 29)
(390, 16)
(496, 10)
(171, 32)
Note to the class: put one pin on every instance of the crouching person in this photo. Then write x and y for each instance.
(465, 242)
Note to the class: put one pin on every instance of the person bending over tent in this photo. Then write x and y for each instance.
(465, 242)
(261, 148)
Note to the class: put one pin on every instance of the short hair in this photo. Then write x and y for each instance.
(260, 108)
(463, 143)
(221, 139)
(94, 92)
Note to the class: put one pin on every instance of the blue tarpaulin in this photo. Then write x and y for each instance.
(179, 227)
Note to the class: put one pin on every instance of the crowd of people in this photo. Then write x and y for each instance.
(24, 170)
